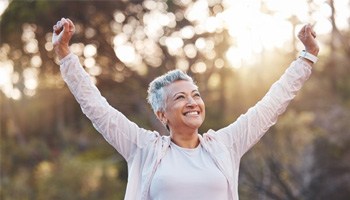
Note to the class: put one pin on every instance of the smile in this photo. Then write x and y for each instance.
(192, 113)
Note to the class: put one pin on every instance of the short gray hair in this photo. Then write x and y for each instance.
(157, 94)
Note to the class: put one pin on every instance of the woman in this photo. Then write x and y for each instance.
(184, 165)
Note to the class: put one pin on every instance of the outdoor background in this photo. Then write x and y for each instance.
(235, 50)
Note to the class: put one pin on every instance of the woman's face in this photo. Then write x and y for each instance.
(184, 107)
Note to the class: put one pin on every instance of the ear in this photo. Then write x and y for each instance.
(161, 117)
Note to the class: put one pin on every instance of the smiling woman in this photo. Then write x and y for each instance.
(153, 157)
(177, 103)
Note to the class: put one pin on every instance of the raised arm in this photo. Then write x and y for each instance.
(124, 135)
(250, 127)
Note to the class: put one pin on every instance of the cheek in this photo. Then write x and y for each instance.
(203, 107)
(172, 109)
(202, 104)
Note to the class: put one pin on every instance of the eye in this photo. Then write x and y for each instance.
(197, 94)
(180, 97)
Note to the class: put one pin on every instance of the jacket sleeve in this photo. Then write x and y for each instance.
(251, 126)
(124, 135)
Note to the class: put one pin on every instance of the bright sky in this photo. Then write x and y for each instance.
(3, 6)
(254, 30)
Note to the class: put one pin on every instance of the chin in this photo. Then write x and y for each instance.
(195, 125)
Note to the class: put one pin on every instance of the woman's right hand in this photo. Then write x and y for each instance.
(62, 34)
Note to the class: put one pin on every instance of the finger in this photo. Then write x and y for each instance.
(57, 29)
(313, 33)
(310, 32)
(307, 30)
(302, 32)
(71, 25)
(64, 25)
(70, 22)
(59, 24)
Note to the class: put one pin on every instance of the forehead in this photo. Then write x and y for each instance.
(181, 86)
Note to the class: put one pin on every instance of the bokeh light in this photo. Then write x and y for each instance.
(253, 26)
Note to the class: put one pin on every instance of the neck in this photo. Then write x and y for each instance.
(186, 140)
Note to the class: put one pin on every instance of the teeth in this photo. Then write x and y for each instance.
(192, 113)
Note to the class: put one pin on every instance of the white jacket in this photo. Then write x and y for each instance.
(143, 149)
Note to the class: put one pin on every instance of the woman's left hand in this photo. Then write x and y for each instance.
(308, 37)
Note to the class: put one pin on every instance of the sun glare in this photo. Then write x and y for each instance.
(3, 6)
(252, 30)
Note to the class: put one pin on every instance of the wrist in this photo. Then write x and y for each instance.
(312, 51)
(308, 57)
(62, 51)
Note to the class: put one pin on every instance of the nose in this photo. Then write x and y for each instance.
(191, 102)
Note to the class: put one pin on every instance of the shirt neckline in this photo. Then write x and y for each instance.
(186, 150)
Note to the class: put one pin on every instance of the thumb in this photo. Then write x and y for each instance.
(308, 30)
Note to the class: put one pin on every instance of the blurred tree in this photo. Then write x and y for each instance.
(49, 150)
(304, 155)
(45, 122)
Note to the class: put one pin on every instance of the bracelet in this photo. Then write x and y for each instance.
(309, 56)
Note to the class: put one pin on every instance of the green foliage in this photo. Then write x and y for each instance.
(77, 179)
